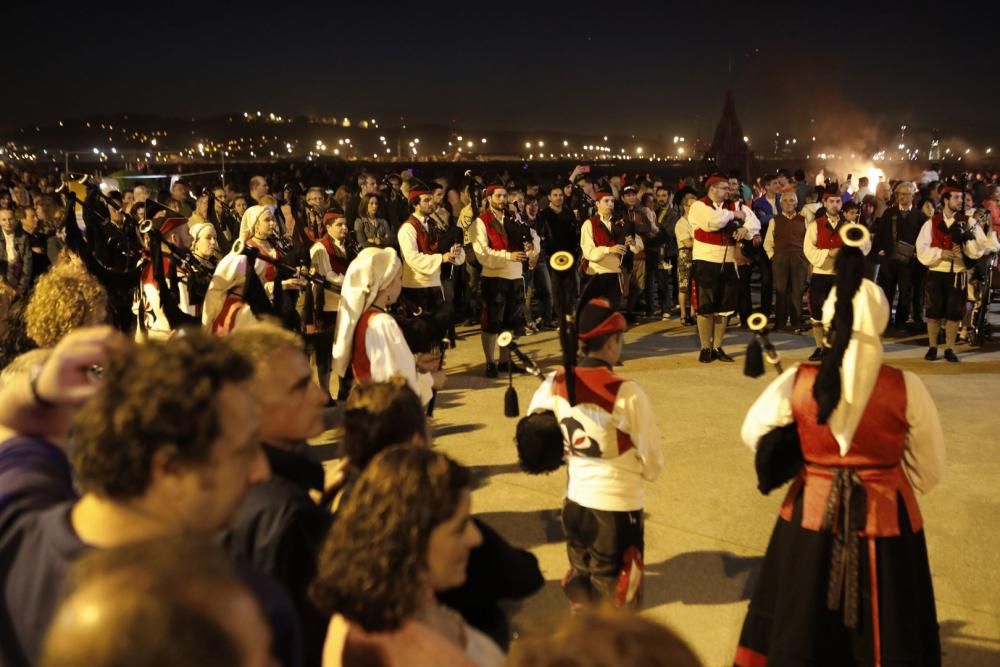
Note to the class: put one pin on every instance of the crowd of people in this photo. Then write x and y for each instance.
(168, 352)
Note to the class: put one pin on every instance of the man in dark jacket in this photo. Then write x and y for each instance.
(896, 234)
(15, 253)
(279, 527)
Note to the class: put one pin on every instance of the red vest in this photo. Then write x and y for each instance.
(361, 365)
(828, 237)
(495, 233)
(875, 455)
(602, 237)
(337, 262)
(427, 241)
(720, 237)
(941, 233)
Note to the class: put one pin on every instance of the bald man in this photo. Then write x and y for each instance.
(158, 603)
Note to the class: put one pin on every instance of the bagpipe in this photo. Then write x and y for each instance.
(295, 270)
(540, 443)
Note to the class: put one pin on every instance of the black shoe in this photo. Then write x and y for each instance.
(689, 321)
(504, 366)
(931, 354)
(491, 370)
(817, 354)
(705, 356)
(949, 355)
(721, 355)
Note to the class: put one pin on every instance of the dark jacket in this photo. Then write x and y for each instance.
(907, 228)
(17, 273)
(279, 530)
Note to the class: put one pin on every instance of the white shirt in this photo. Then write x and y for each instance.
(822, 263)
(613, 484)
(420, 269)
(11, 242)
(712, 219)
(389, 355)
(495, 263)
(599, 258)
(321, 264)
(934, 259)
(924, 453)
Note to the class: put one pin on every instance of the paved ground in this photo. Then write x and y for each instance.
(707, 526)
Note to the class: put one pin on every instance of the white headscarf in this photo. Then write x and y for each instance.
(197, 228)
(862, 359)
(249, 220)
(372, 270)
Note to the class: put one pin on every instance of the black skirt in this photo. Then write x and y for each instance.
(788, 622)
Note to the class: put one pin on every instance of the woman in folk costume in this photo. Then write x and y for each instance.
(846, 578)
(369, 341)
(330, 256)
(237, 296)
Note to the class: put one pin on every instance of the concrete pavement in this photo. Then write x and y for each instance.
(707, 525)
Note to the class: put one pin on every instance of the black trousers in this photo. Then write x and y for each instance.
(603, 548)
(789, 272)
(605, 285)
(892, 275)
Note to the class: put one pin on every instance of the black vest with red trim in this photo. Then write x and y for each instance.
(428, 241)
(720, 237)
(828, 236)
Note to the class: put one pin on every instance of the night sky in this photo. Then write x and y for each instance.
(655, 68)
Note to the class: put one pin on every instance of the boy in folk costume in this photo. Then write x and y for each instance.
(604, 241)
(821, 246)
(613, 446)
(329, 257)
(846, 578)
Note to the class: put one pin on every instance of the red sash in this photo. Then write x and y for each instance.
(827, 236)
(427, 240)
(720, 237)
(941, 233)
(337, 262)
(361, 365)
(875, 455)
(496, 235)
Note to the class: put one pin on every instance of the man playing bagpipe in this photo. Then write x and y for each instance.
(607, 427)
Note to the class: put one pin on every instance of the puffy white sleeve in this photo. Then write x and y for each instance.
(423, 263)
(591, 252)
(709, 218)
(771, 410)
(229, 273)
(543, 400)
(924, 456)
(750, 222)
(487, 256)
(975, 247)
(927, 254)
(390, 355)
(816, 256)
(638, 419)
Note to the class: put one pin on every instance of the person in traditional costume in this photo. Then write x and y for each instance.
(846, 578)
(613, 444)
(237, 295)
(330, 256)
(369, 343)
(718, 224)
